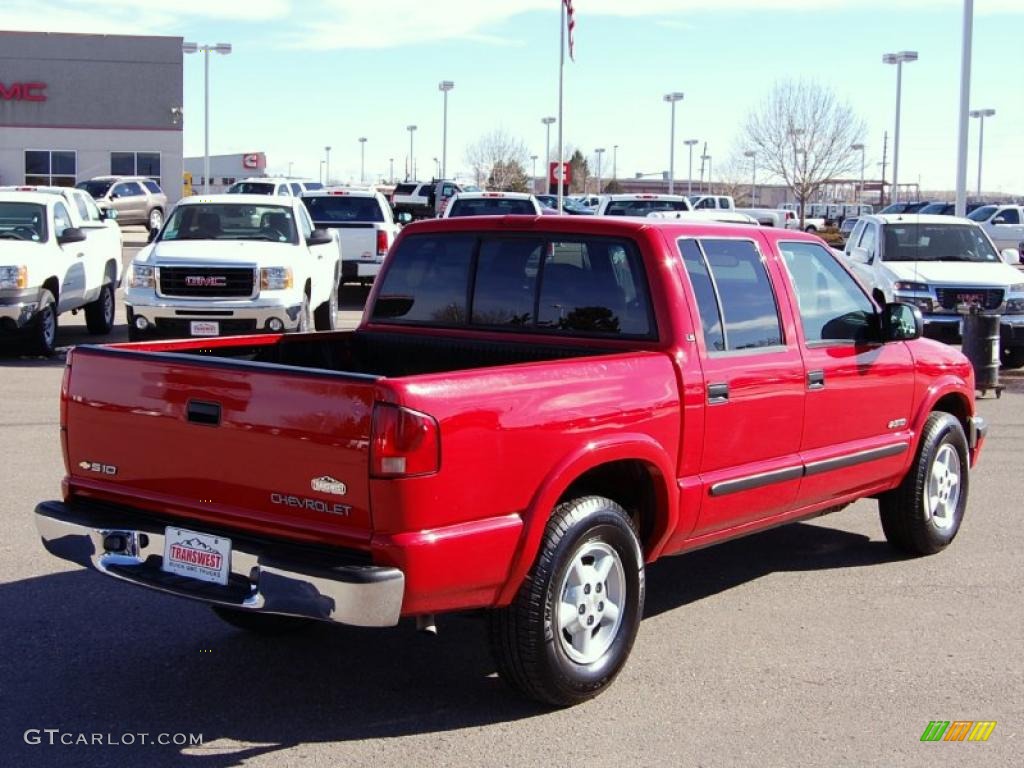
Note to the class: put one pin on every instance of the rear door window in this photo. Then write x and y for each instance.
(642, 207)
(491, 206)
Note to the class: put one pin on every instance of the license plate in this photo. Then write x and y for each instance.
(197, 555)
(204, 328)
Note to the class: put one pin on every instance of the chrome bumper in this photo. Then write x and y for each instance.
(18, 309)
(260, 580)
(261, 311)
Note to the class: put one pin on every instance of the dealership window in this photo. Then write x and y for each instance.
(51, 167)
(136, 164)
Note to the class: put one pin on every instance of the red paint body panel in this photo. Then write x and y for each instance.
(512, 437)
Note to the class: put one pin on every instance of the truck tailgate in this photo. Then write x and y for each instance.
(270, 450)
(358, 241)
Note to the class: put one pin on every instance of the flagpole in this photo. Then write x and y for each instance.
(561, 78)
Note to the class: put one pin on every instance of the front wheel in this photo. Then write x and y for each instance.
(42, 331)
(923, 515)
(570, 629)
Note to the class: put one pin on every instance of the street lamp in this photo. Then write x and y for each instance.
(860, 193)
(708, 159)
(615, 162)
(689, 176)
(672, 98)
(327, 167)
(362, 159)
(437, 167)
(412, 162)
(391, 167)
(548, 121)
(533, 175)
(981, 114)
(290, 162)
(222, 48)
(898, 59)
(445, 86)
(753, 175)
(599, 151)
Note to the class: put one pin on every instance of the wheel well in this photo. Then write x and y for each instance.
(53, 286)
(308, 289)
(632, 485)
(956, 406)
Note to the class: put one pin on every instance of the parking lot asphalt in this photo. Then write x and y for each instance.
(811, 644)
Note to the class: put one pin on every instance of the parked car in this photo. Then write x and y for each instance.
(946, 209)
(52, 262)
(423, 200)
(716, 202)
(526, 417)
(137, 199)
(1003, 223)
(722, 215)
(492, 204)
(768, 217)
(364, 225)
(232, 263)
(938, 263)
(587, 201)
(569, 205)
(641, 204)
(270, 185)
(906, 207)
(846, 228)
(85, 214)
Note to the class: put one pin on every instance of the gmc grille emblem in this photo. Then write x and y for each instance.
(201, 281)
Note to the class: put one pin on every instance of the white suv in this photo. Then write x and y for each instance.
(492, 204)
(271, 185)
(641, 204)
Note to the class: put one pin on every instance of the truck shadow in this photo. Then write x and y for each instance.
(86, 655)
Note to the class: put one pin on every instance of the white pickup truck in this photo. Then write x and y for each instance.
(53, 261)
(940, 263)
(231, 263)
(365, 226)
(1003, 223)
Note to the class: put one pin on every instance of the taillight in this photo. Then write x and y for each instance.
(403, 442)
(65, 385)
(382, 243)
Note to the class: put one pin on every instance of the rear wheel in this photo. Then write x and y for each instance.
(267, 624)
(325, 318)
(99, 314)
(923, 515)
(570, 629)
(41, 336)
(1012, 357)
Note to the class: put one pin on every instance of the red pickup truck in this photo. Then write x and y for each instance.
(532, 410)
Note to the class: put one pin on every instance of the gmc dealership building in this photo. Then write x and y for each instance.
(77, 106)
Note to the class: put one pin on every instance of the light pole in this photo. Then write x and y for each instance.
(860, 191)
(689, 175)
(981, 114)
(963, 121)
(445, 86)
(548, 122)
(222, 48)
(391, 166)
(362, 159)
(437, 167)
(290, 162)
(533, 175)
(599, 151)
(327, 167)
(753, 176)
(615, 162)
(898, 59)
(412, 161)
(672, 98)
(707, 158)
(321, 171)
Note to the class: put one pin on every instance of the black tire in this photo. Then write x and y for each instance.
(41, 334)
(533, 654)
(919, 517)
(266, 624)
(304, 318)
(99, 314)
(325, 317)
(1011, 357)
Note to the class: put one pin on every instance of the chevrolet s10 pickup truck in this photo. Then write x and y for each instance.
(532, 411)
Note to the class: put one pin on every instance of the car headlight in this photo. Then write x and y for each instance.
(275, 278)
(1017, 288)
(913, 287)
(1015, 307)
(142, 276)
(14, 277)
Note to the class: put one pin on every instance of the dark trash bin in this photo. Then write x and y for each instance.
(980, 343)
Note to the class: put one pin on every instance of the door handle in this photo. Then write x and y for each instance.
(718, 393)
(815, 379)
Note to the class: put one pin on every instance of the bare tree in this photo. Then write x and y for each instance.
(498, 158)
(802, 134)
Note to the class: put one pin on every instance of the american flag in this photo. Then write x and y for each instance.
(571, 24)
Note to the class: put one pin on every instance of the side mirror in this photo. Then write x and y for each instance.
(999, 220)
(860, 254)
(153, 234)
(1011, 256)
(404, 217)
(319, 237)
(901, 322)
(71, 235)
(108, 214)
(114, 195)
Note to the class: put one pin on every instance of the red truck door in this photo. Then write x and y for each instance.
(753, 373)
(859, 391)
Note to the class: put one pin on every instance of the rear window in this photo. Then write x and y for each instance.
(340, 209)
(312, 186)
(405, 189)
(251, 188)
(492, 206)
(643, 207)
(587, 286)
(153, 187)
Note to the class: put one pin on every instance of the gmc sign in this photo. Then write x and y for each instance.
(23, 92)
(202, 281)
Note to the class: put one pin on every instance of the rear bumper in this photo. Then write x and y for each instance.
(264, 577)
(359, 270)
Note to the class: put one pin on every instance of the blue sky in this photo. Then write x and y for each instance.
(307, 74)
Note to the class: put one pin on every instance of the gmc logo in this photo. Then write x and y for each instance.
(23, 92)
(200, 281)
